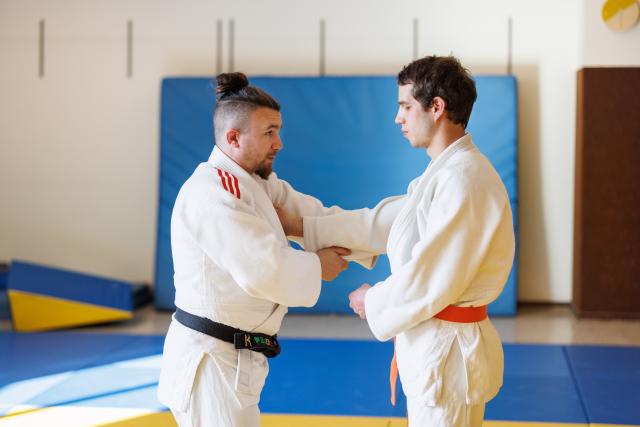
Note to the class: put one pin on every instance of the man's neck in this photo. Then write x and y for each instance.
(236, 159)
(444, 139)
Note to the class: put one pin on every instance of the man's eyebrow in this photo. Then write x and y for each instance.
(274, 126)
(403, 103)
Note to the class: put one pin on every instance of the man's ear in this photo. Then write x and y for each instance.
(439, 107)
(233, 137)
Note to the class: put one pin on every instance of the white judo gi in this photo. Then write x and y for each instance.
(450, 241)
(233, 265)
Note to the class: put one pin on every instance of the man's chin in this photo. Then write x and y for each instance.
(264, 171)
(418, 144)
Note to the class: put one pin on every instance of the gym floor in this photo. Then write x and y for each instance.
(559, 371)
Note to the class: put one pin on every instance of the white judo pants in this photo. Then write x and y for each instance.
(213, 403)
(453, 412)
(208, 383)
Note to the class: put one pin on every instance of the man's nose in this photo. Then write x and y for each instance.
(278, 144)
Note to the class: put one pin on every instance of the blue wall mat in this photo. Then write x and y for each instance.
(341, 145)
(4, 273)
(5, 312)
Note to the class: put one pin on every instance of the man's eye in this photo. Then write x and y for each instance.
(270, 132)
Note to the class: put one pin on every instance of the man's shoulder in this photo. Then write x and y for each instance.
(472, 175)
(465, 165)
(226, 183)
(213, 184)
(460, 174)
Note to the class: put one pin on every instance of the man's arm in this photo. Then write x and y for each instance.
(363, 231)
(294, 202)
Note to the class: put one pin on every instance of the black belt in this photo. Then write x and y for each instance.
(261, 343)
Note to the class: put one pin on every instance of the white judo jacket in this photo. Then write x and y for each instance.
(449, 240)
(233, 265)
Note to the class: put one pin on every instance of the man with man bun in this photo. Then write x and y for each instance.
(235, 273)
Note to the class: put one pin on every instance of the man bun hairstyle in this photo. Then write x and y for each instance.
(236, 100)
(228, 83)
(234, 87)
(442, 76)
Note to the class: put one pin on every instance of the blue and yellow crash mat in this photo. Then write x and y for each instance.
(46, 298)
(86, 379)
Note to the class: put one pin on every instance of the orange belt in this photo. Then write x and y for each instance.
(451, 313)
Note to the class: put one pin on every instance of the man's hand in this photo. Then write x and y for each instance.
(291, 223)
(331, 261)
(356, 300)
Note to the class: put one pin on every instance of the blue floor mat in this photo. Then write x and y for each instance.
(608, 380)
(537, 386)
(338, 377)
(542, 383)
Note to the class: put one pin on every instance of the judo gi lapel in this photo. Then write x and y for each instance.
(262, 200)
(404, 232)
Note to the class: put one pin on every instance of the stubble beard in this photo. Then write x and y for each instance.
(264, 170)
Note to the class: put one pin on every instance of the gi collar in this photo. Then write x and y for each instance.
(219, 159)
(461, 144)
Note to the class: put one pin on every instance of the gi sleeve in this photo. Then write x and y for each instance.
(460, 225)
(245, 245)
(362, 230)
(307, 207)
(283, 194)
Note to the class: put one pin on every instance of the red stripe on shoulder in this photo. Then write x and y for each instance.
(235, 182)
(229, 182)
(224, 182)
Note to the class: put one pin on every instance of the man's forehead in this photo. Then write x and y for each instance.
(405, 93)
(267, 116)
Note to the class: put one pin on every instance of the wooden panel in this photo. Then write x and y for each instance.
(606, 273)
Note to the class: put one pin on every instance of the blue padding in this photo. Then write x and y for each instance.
(331, 377)
(108, 385)
(35, 355)
(553, 400)
(351, 378)
(4, 275)
(609, 382)
(542, 383)
(5, 312)
(79, 369)
(341, 145)
(70, 286)
(538, 386)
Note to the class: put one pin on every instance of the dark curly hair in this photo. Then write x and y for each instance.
(445, 77)
(236, 100)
